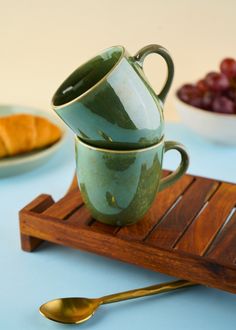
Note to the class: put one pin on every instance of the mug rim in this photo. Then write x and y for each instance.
(122, 151)
(122, 48)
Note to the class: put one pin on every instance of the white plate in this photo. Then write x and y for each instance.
(26, 162)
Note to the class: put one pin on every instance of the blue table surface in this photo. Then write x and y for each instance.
(29, 279)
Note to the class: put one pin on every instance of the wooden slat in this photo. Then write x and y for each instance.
(39, 204)
(65, 206)
(202, 231)
(101, 227)
(224, 248)
(80, 217)
(161, 205)
(172, 227)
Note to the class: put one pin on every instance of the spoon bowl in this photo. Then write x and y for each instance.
(70, 310)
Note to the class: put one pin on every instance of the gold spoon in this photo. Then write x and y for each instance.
(78, 310)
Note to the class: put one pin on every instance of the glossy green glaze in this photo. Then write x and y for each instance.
(109, 103)
(118, 187)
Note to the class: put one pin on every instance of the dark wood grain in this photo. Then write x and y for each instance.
(202, 231)
(181, 265)
(169, 231)
(224, 248)
(160, 207)
(38, 205)
(30, 243)
(189, 231)
(65, 206)
(101, 227)
(81, 217)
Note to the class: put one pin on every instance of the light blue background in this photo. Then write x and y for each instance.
(29, 279)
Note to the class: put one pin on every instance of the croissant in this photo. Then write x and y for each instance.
(21, 133)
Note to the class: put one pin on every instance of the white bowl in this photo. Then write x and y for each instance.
(217, 127)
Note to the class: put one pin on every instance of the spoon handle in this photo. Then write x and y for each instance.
(147, 291)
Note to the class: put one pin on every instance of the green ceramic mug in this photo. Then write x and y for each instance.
(109, 103)
(118, 187)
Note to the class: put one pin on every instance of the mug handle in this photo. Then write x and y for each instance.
(182, 168)
(140, 56)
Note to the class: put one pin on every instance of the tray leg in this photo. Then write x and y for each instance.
(38, 205)
(29, 243)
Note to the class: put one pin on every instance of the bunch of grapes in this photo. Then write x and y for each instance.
(216, 92)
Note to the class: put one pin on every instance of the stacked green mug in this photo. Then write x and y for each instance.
(118, 121)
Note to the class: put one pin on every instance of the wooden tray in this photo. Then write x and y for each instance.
(189, 233)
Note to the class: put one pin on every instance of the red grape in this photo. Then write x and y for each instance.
(233, 82)
(207, 100)
(201, 85)
(216, 92)
(190, 94)
(224, 105)
(228, 67)
(217, 82)
(231, 94)
(196, 102)
(186, 92)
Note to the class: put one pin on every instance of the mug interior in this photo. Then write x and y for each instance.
(87, 75)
